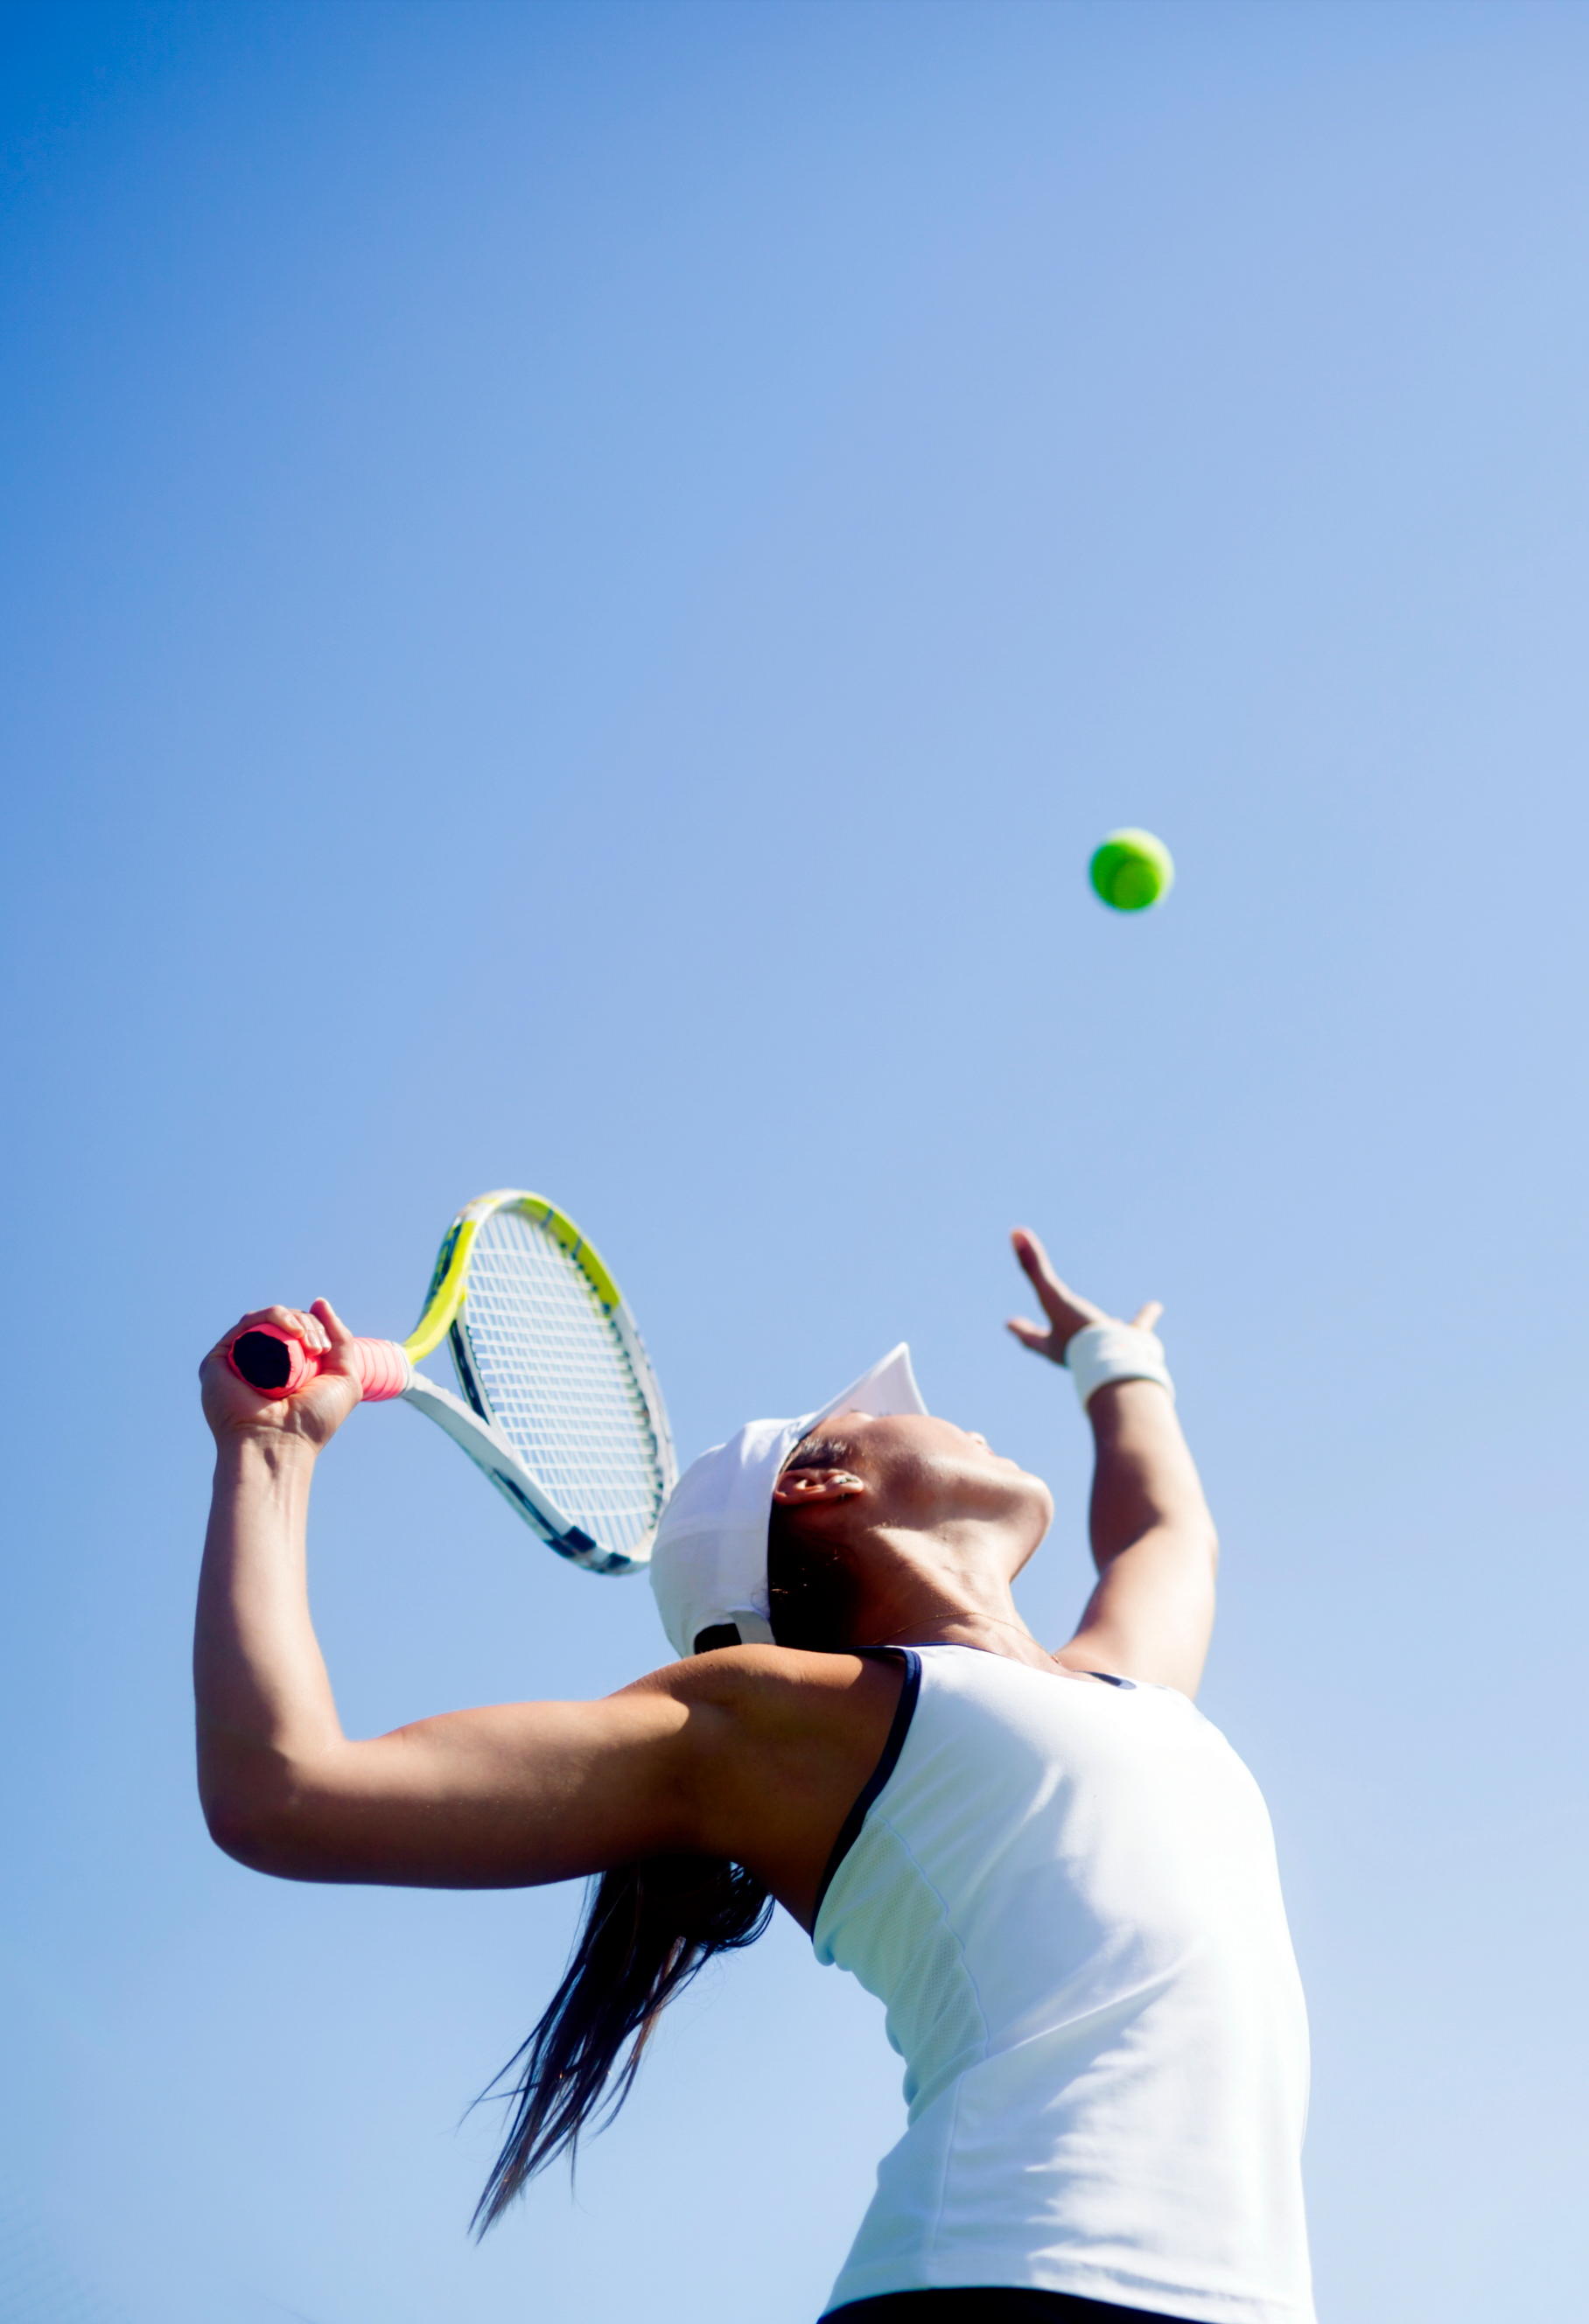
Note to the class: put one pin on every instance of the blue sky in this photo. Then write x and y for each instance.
(580, 583)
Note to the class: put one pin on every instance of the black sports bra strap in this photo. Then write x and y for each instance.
(904, 1711)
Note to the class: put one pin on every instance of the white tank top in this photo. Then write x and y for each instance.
(1066, 1896)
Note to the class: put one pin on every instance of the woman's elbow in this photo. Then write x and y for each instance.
(253, 1823)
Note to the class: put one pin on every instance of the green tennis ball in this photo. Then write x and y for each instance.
(1130, 870)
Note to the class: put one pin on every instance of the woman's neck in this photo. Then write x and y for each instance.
(994, 1634)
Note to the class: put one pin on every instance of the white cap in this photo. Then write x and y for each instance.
(708, 1563)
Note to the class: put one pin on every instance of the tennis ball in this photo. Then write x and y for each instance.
(1130, 870)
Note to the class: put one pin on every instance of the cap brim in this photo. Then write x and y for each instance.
(890, 1387)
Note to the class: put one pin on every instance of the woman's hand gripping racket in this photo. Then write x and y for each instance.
(563, 1411)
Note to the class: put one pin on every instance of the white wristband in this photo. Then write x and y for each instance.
(1116, 1352)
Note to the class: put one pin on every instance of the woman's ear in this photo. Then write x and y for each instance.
(810, 1488)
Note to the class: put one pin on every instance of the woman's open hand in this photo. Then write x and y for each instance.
(1066, 1311)
(313, 1413)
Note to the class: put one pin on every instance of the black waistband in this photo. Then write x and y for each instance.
(999, 2303)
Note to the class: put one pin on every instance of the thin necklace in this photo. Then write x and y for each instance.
(993, 1621)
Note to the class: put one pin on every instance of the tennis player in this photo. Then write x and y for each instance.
(1056, 1876)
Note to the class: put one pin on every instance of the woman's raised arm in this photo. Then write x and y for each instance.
(1151, 1614)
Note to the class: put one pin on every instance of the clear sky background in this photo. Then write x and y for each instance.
(580, 583)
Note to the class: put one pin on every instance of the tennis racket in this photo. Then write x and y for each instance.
(560, 1406)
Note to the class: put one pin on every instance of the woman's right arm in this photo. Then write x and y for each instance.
(753, 1753)
(499, 1796)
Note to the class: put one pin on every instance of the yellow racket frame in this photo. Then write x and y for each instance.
(469, 1425)
(444, 1300)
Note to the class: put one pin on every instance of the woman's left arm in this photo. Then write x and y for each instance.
(1151, 1614)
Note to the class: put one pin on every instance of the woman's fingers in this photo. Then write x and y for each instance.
(1029, 1251)
(284, 1319)
(307, 1326)
(337, 1340)
(292, 1320)
(336, 1331)
(1065, 1309)
(1030, 1334)
(1034, 1260)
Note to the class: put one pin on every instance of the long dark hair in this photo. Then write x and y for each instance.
(651, 1927)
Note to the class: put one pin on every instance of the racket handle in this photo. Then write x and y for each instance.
(274, 1364)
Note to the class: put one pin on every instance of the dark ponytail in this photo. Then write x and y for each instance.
(649, 1928)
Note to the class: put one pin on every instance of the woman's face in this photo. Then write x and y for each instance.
(928, 1474)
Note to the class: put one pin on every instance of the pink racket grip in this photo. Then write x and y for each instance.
(274, 1364)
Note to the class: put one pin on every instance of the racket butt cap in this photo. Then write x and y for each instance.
(276, 1365)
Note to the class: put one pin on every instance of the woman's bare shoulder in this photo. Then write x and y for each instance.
(771, 1684)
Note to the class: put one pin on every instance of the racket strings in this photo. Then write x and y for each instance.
(559, 1382)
